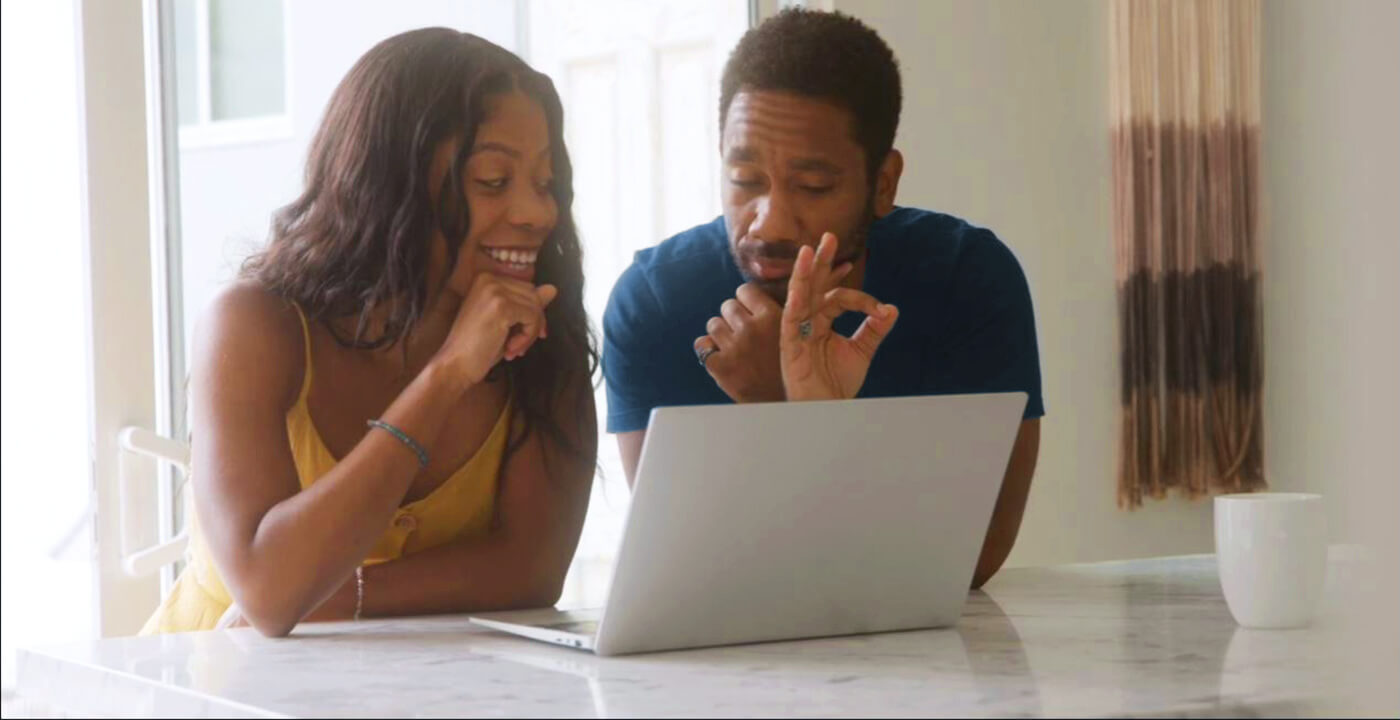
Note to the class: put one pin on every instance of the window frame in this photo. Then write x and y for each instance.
(206, 132)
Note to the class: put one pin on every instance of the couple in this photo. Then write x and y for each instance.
(392, 409)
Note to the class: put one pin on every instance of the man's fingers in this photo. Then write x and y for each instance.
(734, 313)
(840, 300)
(821, 269)
(874, 330)
(705, 349)
(757, 302)
(723, 335)
(880, 318)
(840, 273)
(799, 300)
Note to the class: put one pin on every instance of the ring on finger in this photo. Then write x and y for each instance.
(704, 353)
(804, 329)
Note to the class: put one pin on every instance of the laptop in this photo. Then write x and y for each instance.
(781, 521)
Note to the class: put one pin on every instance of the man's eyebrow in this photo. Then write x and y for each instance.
(815, 165)
(741, 153)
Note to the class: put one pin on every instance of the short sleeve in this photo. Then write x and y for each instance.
(988, 340)
(629, 371)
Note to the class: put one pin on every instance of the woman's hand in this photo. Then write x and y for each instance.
(499, 319)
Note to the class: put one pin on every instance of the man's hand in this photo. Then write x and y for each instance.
(817, 363)
(740, 348)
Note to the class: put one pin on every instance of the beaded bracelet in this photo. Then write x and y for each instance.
(359, 591)
(404, 438)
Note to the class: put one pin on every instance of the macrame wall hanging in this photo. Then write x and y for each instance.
(1185, 135)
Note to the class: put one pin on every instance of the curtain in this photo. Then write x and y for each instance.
(1185, 135)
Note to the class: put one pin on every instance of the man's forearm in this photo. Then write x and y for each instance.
(629, 446)
(1011, 503)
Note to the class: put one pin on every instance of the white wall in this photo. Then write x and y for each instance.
(1331, 291)
(1006, 124)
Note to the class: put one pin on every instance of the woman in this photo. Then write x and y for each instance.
(392, 407)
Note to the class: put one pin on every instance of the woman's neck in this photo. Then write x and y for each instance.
(408, 357)
(432, 330)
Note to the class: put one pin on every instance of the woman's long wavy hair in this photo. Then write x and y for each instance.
(356, 241)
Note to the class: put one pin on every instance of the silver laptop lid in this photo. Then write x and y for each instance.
(785, 520)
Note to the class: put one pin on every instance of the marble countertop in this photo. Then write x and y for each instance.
(1136, 638)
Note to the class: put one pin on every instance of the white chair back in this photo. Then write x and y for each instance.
(142, 442)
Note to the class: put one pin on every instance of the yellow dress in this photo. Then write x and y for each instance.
(461, 506)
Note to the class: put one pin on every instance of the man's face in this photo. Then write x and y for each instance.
(792, 171)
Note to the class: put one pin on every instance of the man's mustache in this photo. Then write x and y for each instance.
(773, 251)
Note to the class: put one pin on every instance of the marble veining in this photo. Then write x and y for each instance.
(1142, 638)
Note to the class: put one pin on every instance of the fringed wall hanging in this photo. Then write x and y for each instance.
(1185, 136)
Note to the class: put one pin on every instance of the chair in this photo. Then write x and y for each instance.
(142, 442)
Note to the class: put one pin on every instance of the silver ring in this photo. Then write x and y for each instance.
(704, 354)
(804, 329)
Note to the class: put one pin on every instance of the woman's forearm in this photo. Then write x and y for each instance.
(521, 563)
(492, 573)
(306, 546)
(475, 575)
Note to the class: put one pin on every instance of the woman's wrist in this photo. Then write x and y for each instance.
(442, 375)
(339, 606)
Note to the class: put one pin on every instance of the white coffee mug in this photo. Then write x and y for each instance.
(1272, 553)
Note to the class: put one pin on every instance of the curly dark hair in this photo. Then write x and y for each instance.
(357, 239)
(827, 55)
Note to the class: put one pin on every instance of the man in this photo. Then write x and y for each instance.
(809, 106)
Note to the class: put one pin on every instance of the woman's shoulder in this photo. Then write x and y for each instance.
(254, 314)
(254, 333)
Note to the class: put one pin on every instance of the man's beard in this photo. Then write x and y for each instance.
(850, 247)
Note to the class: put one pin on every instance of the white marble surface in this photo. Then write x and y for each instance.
(1148, 637)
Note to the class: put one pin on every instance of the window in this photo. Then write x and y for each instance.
(231, 70)
(639, 81)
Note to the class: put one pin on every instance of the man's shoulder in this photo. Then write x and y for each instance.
(678, 269)
(935, 245)
(681, 252)
(918, 233)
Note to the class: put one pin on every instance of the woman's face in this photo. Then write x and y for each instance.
(508, 181)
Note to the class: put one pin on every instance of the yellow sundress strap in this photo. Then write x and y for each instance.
(306, 342)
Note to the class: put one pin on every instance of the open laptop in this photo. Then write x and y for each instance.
(778, 521)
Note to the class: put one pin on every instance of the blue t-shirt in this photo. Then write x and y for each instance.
(965, 320)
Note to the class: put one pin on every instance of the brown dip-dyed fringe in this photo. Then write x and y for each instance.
(1185, 135)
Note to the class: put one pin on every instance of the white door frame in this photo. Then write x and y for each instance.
(118, 272)
(167, 298)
